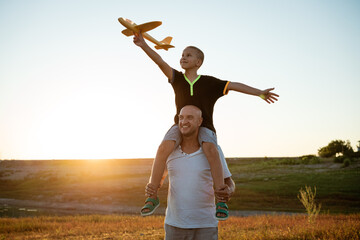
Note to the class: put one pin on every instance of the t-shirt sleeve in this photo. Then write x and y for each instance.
(220, 87)
(226, 89)
(175, 76)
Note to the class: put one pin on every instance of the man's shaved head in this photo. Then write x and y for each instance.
(194, 109)
(190, 120)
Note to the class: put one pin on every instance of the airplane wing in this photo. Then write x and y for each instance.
(132, 28)
(142, 28)
(148, 26)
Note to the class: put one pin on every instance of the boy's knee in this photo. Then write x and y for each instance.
(166, 147)
(210, 148)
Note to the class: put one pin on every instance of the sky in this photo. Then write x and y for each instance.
(72, 86)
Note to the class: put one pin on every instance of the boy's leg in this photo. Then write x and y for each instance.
(209, 143)
(208, 140)
(170, 141)
(212, 155)
(158, 167)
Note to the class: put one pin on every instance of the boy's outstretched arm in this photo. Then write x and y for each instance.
(266, 94)
(165, 68)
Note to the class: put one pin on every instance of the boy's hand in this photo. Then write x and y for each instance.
(269, 96)
(165, 68)
(139, 40)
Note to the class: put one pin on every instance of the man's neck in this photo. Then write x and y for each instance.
(190, 144)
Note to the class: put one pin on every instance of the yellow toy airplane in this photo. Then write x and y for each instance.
(132, 28)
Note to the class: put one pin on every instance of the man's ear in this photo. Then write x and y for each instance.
(200, 121)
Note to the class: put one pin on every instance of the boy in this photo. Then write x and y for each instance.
(201, 91)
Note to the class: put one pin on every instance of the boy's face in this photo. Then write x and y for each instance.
(190, 59)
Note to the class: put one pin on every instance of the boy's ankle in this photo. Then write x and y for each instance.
(153, 196)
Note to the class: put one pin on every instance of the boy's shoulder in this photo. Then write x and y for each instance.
(209, 78)
(180, 73)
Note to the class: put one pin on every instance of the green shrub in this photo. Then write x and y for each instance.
(307, 198)
(309, 159)
(346, 162)
(315, 160)
(287, 161)
(339, 159)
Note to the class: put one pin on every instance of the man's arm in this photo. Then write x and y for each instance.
(266, 94)
(165, 68)
(223, 195)
(151, 189)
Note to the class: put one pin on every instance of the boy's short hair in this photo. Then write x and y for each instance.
(199, 53)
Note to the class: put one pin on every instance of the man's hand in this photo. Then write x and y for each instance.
(223, 194)
(150, 190)
(269, 96)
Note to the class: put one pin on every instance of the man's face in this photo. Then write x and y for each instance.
(189, 120)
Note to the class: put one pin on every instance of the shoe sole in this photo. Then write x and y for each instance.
(149, 213)
(222, 219)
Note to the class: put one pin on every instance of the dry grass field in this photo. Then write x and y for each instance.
(127, 227)
(89, 199)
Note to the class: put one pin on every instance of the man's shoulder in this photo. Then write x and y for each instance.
(175, 154)
(178, 153)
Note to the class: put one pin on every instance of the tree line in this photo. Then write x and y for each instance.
(337, 147)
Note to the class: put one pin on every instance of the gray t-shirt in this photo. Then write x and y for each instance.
(191, 199)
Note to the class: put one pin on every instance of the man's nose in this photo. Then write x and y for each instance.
(184, 121)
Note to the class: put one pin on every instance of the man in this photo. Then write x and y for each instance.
(191, 199)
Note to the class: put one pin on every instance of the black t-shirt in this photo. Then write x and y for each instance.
(203, 93)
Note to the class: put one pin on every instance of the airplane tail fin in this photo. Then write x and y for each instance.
(127, 32)
(165, 44)
(167, 40)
